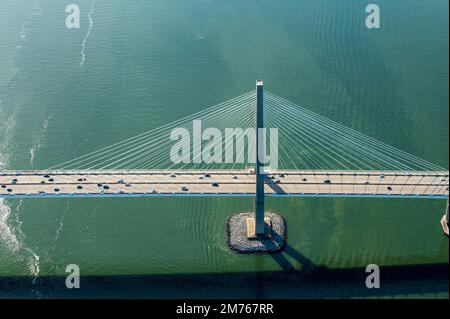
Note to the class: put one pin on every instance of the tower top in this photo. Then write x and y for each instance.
(259, 83)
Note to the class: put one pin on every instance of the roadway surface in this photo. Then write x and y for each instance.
(31, 184)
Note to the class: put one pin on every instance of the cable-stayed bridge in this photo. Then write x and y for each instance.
(220, 151)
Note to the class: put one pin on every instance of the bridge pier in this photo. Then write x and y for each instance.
(259, 231)
(445, 220)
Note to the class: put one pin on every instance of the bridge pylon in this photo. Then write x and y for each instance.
(258, 231)
(258, 226)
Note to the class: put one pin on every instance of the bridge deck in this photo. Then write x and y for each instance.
(223, 183)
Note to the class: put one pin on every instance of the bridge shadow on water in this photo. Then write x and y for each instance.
(309, 281)
(298, 277)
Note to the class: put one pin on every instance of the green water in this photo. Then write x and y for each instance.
(148, 63)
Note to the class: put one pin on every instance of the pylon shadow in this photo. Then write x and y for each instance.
(274, 185)
(307, 266)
